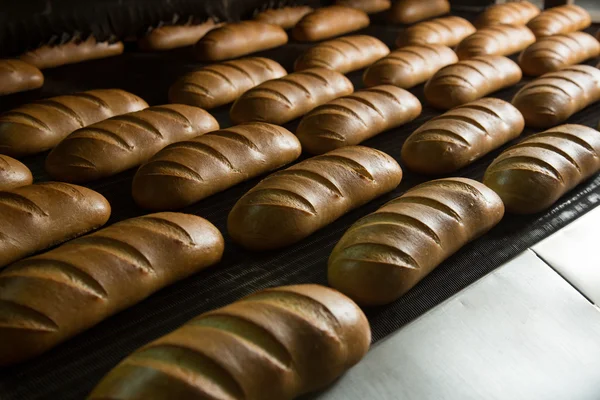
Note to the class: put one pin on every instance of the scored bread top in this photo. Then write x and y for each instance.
(562, 19)
(18, 76)
(388, 252)
(286, 17)
(173, 36)
(513, 13)
(499, 40)
(447, 31)
(368, 6)
(13, 174)
(275, 344)
(411, 11)
(327, 22)
(291, 204)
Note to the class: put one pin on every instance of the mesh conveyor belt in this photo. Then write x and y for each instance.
(71, 370)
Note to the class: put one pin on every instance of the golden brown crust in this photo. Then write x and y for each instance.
(462, 135)
(560, 20)
(344, 55)
(173, 36)
(286, 17)
(275, 344)
(289, 205)
(385, 254)
(553, 53)
(368, 6)
(239, 39)
(512, 13)
(71, 53)
(13, 174)
(38, 216)
(447, 31)
(105, 148)
(219, 84)
(469, 80)
(352, 119)
(282, 100)
(19, 76)
(327, 22)
(498, 40)
(186, 172)
(552, 98)
(534, 174)
(39, 126)
(409, 66)
(411, 11)
(51, 297)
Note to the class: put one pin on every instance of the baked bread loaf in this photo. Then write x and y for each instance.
(345, 54)
(219, 84)
(281, 100)
(72, 52)
(557, 20)
(18, 76)
(126, 141)
(409, 66)
(186, 172)
(386, 253)
(553, 53)
(355, 118)
(290, 205)
(286, 17)
(368, 6)
(13, 174)
(51, 297)
(327, 22)
(462, 135)
(272, 345)
(497, 40)
(411, 11)
(512, 13)
(447, 31)
(469, 80)
(239, 39)
(552, 98)
(39, 126)
(36, 217)
(173, 36)
(534, 174)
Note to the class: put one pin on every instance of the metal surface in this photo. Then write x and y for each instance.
(520, 333)
(573, 253)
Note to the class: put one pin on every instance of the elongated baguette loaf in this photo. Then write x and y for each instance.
(411, 11)
(557, 20)
(49, 298)
(462, 135)
(553, 53)
(18, 76)
(239, 39)
(186, 172)
(447, 31)
(534, 174)
(286, 17)
(512, 13)
(497, 40)
(220, 84)
(368, 6)
(344, 54)
(275, 344)
(13, 174)
(281, 100)
(327, 22)
(469, 80)
(173, 36)
(125, 141)
(409, 66)
(289, 205)
(36, 217)
(39, 126)
(72, 52)
(386, 253)
(552, 98)
(353, 119)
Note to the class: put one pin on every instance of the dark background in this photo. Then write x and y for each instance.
(71, 370)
